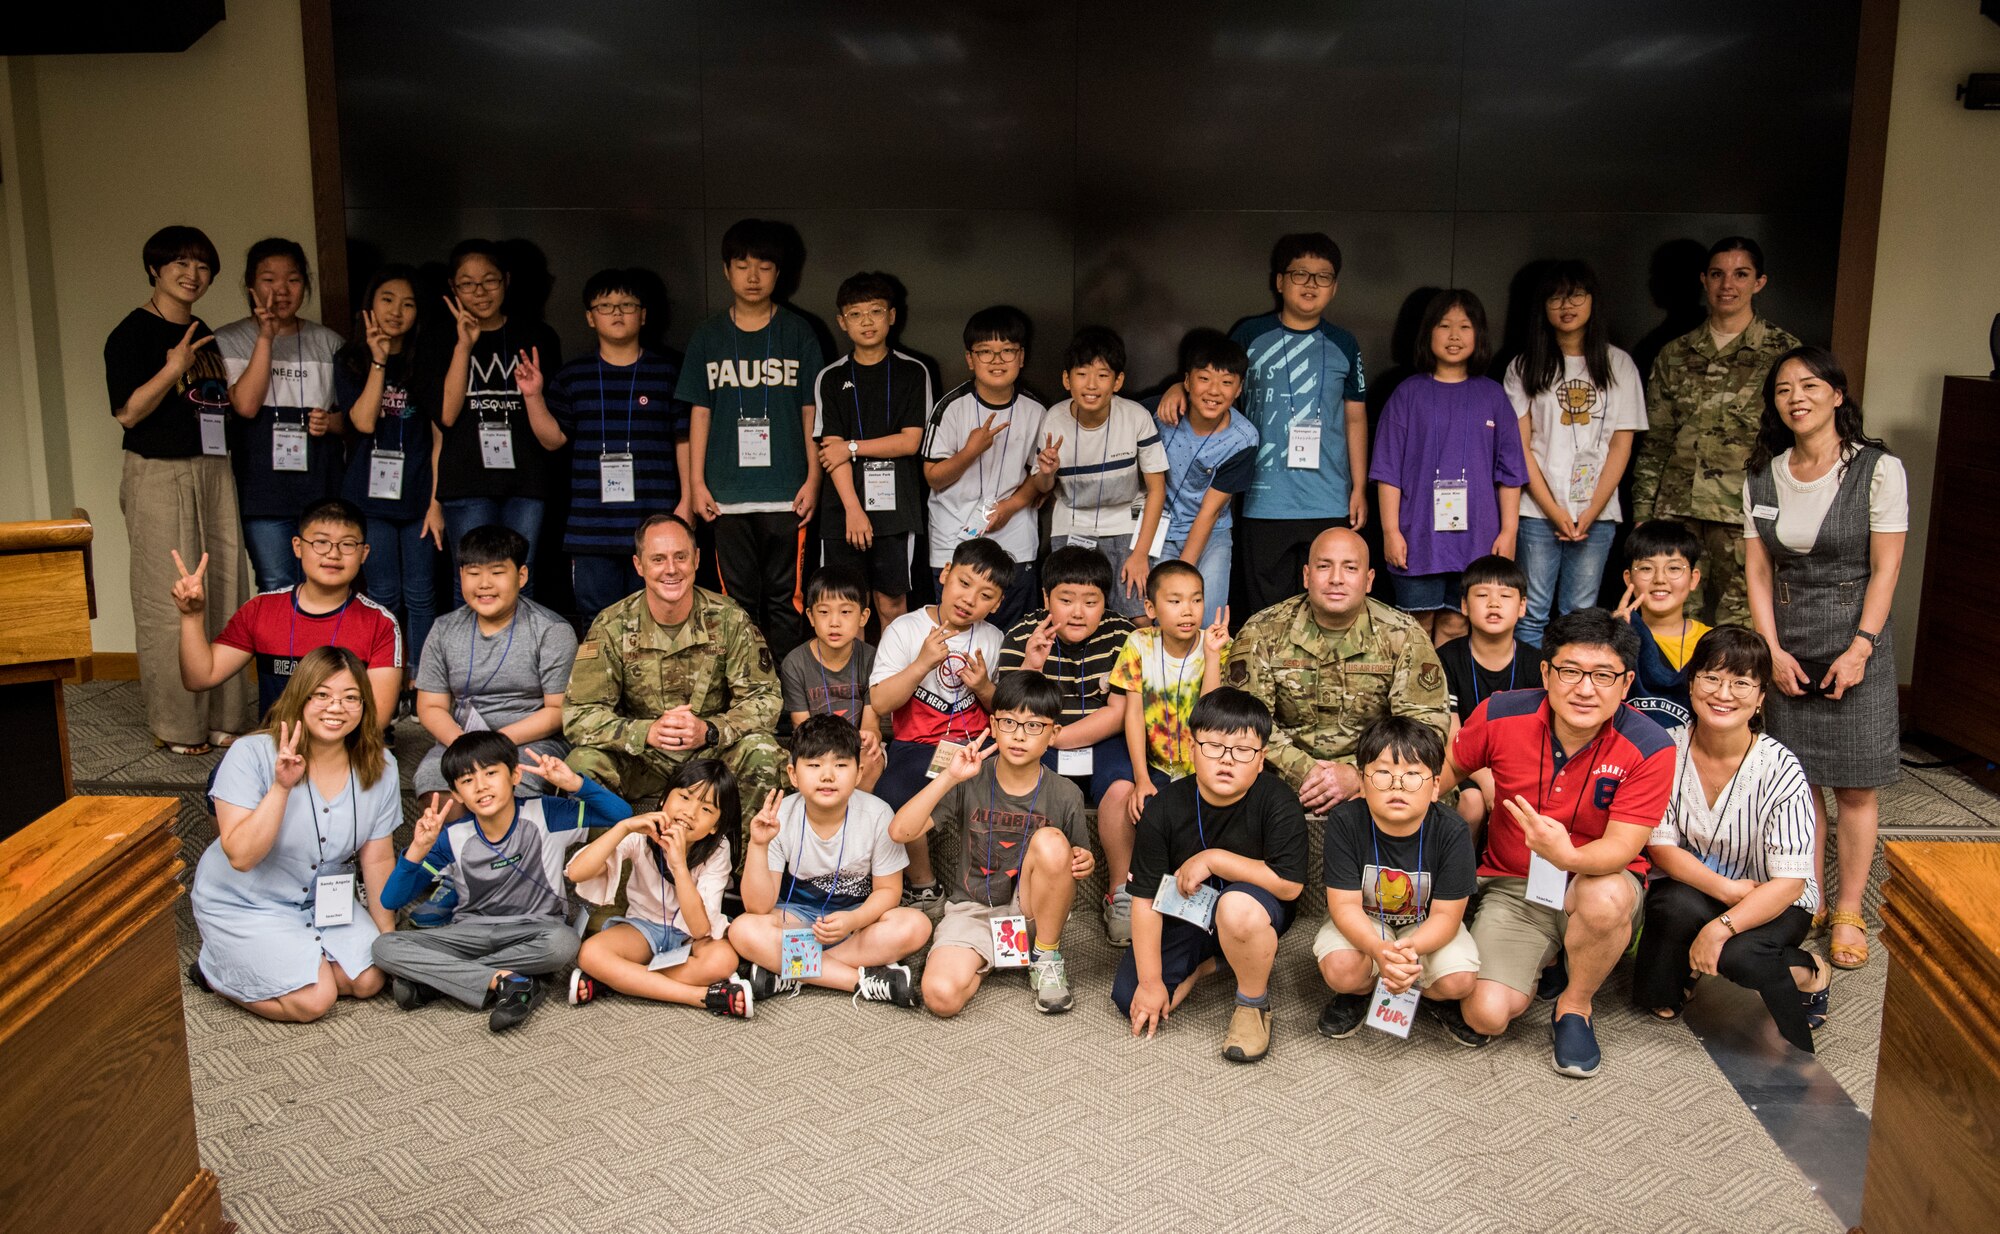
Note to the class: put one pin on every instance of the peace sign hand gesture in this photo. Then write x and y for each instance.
(982, 436)
(1049, 457)
(267, 320)
(378, 338)
(1216, 637)
(528, 372)
(552, 769)
(291, 765)
(180, 357)
(973, 675)
(466, 325)
(764, 827)
(189, 596)
(427, 826)
(966, 760)
(1626, 603)
(1041, 642)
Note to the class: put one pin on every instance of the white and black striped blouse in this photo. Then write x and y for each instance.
(1761, 826)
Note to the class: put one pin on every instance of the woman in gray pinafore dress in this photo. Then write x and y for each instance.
(1826, 512)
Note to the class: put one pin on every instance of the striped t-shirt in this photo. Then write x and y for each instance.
(1761, 825)
(1079, 670)
(615, 409)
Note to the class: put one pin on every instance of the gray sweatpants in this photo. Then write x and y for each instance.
(460, 959)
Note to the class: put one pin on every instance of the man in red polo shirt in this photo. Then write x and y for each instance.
(1581, 780)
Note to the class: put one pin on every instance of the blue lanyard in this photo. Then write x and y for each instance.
(1172, 701)
(1028, 829)
(1416, 875)
(1291, 395)
(853, 683)
(798, 850)
(666, 881)
(353, 814)
(958, 693)
(1082, 701)
(997, 447)
(472, 649)
(763, 375)
(888, 395)
(1201, 832)
(1193, 470)
(520, 868)
(1513, 667)
(603, 413)
(292, 637)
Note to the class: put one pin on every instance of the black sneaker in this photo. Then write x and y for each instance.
(1446, 1012)
(927, 900)
(886, 983)
(409, 995)
(1342, 1015)
(197, 978)
(514, 1000)
(731, 997)
(764, 983)
(581, 988)
(1554, 979)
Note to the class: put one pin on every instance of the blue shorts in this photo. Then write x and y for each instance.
(662, 938)
(803, 914)
(1183, 946)
(1110, 762)
(1425, 593)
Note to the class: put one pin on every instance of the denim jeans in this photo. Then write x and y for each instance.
(1214, 566)
(1563, 575)
(462, 514)
(401, 572)
(269, 542)
(600, 582)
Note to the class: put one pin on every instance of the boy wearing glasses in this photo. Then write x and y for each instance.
(1217, 869)
(617, 407)
(984, 437)
(1022, 848)
(752, 470)
(1305, 397)
(1580, 780)
(279, 627)
(1665, 571)
(870, 409)
(1399, 873)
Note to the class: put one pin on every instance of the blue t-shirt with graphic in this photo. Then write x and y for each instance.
(1296, 377)
(1225, 459)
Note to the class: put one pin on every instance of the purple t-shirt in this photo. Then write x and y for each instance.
(1432, 431)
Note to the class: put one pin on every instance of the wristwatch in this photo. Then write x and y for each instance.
(708, 736)
(1724, 919)
(1874, 640)
(853, 450)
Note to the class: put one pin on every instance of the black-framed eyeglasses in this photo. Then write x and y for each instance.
(996, 355)
(1008, 724)
(621, 308)
(1318, 278)
(1222, 751)
(491, 282)
(1573, 299)
(1602, 678)
(326, 548)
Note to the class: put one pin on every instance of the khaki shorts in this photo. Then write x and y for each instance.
(964, 924)
(1460, 955)
(1517, 939)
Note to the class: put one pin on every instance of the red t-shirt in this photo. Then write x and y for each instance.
(1625, 774)
(273, 628)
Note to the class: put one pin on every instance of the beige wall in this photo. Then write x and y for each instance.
(214, 136)
(1937, 267)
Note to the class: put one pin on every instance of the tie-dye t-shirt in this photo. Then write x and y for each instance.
(1167, 687)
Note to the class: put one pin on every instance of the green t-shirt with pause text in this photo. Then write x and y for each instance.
(744, 377)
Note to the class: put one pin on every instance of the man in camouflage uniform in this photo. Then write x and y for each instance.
(671, 674)
(1703, 405)
(1329, 663)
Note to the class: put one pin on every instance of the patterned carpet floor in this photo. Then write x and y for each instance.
(821, 1114)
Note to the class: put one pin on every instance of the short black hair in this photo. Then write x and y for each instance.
(837, 583)
(491, 545)
(1002, 323)
(174, 242)
(1210, 348)
(1075, 566)
(334, 510)
(1158, 576)
(277, 246)
(1290, 248)
(985, 557)
(1663, 537)
(604, 282)
(1094, 343)
(1402, 738)
(476, 248)
(820, 736)
(710, 777)
(1730, 244)
(1024, 689)
(1482, 339)
(755, 239)
(1592, 627)
(1230, 710)
(1733, 649)
(1493, 570)
(654, 520)
(868, 285)
(483, 748)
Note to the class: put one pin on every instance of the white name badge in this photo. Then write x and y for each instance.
(1450, 507)
(1302, 446)
(334, 901)
(1075, 762)
(1763, 511)
(975, 526)
(1546, 883)
(753, 443)
(214, 438)
(946, 751)
(1393, 1013)
(1010, 941)
(669, 959)
(616, 480)
(385, 475)
(878, 484)
(473, 722)
(288, 447)
(1159, 544)
(496, 445)
(1582, 482)
(1197, 910)
(1081, 542)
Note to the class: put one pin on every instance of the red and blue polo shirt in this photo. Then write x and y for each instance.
(1624, 774)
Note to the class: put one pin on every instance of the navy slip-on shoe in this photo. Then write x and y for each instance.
(1576, 1049)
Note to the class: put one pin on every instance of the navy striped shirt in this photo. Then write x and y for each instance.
(608, 408)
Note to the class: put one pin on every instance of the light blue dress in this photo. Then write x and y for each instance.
(258, 940)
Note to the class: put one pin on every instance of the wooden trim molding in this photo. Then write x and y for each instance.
(1861, 205)
(323, 142)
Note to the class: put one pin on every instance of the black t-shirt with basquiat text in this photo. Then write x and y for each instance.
(1399, 877)
(1469, 682)
(134, 354)
(491, 397)
(1266, 825)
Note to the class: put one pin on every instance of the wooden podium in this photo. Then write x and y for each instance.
(97, 1110)
(46, 603)
(1934, 1150)
(1956, 672)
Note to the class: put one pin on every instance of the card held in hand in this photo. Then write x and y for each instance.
(1197, 909)
(798, 955)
